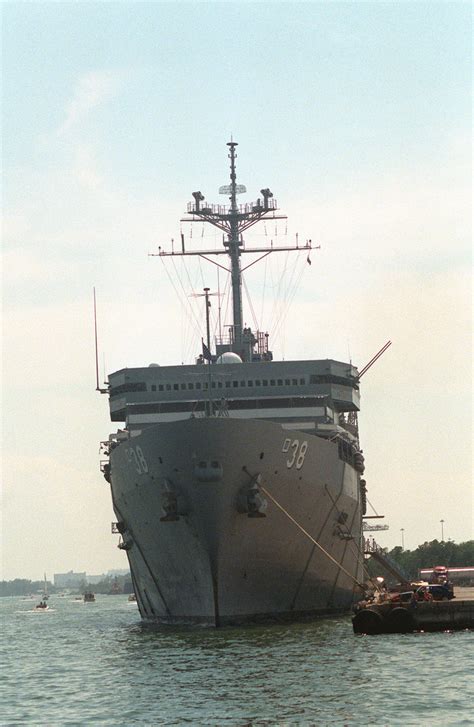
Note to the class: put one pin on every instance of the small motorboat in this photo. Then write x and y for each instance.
(41, 606)
(89, 597)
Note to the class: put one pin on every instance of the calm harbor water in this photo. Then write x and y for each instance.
(95, 664)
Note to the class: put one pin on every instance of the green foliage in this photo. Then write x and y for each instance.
(24, 587)
(21, 587)
(428, 555)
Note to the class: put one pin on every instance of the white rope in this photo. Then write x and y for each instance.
(361, 585)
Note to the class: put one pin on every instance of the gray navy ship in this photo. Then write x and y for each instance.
(237, 480)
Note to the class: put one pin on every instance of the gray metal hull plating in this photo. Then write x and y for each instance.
(215, 564)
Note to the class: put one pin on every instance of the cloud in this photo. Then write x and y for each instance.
(92, 90)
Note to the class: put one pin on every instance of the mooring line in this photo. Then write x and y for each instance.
(359, 552)
(263, 489)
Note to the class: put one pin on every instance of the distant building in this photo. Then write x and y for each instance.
(73, 580)
(69, 580)
(118, 572)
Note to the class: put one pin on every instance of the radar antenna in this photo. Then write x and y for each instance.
(233, 220)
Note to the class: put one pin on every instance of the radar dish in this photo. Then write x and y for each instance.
(229, 357)
(227, 189)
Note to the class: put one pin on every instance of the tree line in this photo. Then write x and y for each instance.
(436, 552)
(22, 587)
(426, 555)
(25, 587)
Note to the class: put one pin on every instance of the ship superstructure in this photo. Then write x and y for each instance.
(236, 480)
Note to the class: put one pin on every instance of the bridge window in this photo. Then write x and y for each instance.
(280, 382)
(329, 379)
(190, 386)
(130, 386)
(287, 382)
(153, 387)
(265, 382)
(176, 387)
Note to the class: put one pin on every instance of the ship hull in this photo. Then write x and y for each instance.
(190, 498)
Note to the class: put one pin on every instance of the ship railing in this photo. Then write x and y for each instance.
(204, 208)
(261, 338)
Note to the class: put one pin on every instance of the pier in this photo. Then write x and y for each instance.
(396, 617)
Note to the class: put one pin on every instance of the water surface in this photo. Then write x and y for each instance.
(96, 664)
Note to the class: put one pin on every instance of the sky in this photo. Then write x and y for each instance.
(356, 114)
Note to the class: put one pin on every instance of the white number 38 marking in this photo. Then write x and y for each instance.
(297, 452)
(137, 458)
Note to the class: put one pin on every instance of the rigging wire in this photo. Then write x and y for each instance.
(227, 300)
(278, 303)
(185, 297)
(249, 300)
(288, 302)
(203, 284)
(264, 288)
(178, 296)
(223, 296)
(191, 285)
(283, 293)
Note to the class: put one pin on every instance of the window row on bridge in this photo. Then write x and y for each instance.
(130, 387)
(233, 404)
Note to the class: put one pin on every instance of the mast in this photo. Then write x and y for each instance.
(233, 220)
(234, 250)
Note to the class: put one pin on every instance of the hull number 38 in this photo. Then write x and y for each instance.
(296, 452)
(136, 457)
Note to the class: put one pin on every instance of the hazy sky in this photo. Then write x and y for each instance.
(357, 115)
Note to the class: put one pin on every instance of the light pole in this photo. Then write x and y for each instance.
(402, 530)
(442, 530)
